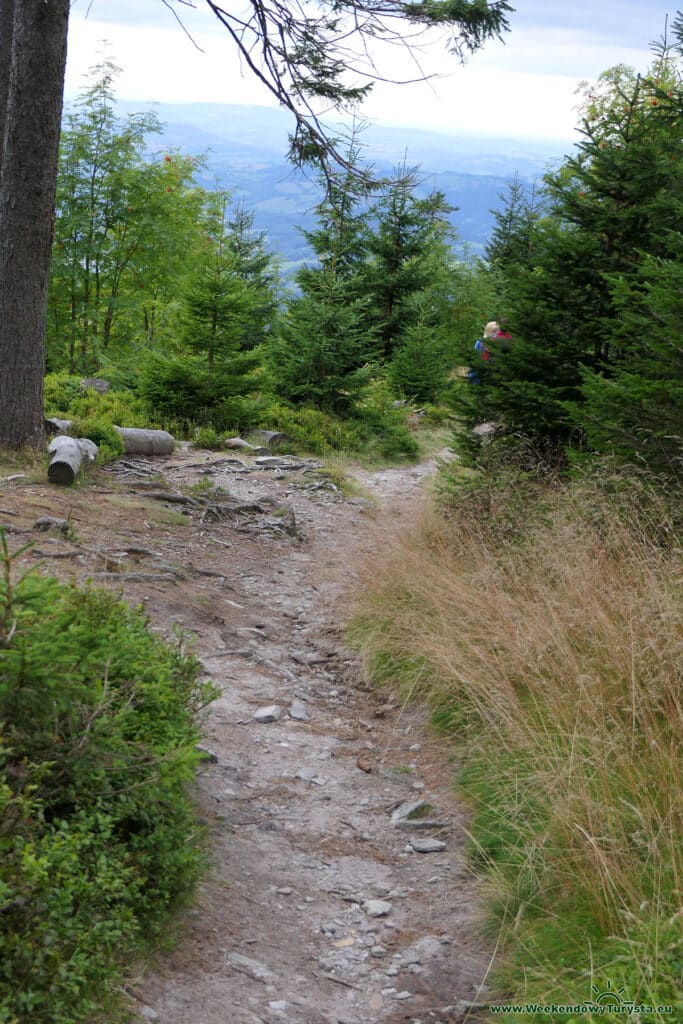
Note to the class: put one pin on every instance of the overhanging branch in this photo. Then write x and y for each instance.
(313, 54)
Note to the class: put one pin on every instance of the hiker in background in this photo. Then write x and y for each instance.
(490, 331)
(480, 346)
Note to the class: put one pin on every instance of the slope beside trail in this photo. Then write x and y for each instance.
(322, 905)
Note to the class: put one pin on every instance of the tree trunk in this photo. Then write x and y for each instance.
(6, 31)
(28, 173)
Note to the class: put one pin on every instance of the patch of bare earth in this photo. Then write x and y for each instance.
(299, 808)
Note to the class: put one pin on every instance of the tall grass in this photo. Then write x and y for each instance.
(544, 626)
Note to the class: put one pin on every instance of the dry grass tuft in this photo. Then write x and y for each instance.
(548, 632)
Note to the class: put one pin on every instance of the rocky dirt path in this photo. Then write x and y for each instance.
(324, 903)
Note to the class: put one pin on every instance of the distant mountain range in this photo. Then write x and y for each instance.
(246, 149)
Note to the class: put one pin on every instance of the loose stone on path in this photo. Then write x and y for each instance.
(310, 775)
(148, 1013)
(298, 711)
(410, 811)
(427, 845)
(271, 713)
(377, 908)
(253, 968)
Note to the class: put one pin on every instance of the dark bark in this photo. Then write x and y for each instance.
(6, 29)
(28, 174)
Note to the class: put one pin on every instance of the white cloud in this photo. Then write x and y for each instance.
(162, 64)
(482, 101)
(524, 88)
(578, 53)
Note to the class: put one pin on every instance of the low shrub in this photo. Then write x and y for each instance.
(209, 439)
(312, 430)
(59, 391)
(98, 839)
(369, 433)
(66, 399)
(120, 407)
(183, 390)
(436, 415)
(103, 433)
(384, 426)
(388, 437)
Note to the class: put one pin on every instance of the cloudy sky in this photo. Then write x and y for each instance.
(522, 88)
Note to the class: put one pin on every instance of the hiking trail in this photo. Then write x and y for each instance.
(328, 899)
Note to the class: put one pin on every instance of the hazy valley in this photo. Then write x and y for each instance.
(246, 150)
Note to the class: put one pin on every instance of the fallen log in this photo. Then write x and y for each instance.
(53, 425)
(139, 441)
(136, 440)
(68, 455)
(271, 439)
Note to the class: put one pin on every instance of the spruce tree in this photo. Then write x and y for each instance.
(613, 209)
(637, 411)
(511, 242)
(324, 343)
(256, 267)
(324, 347)
(407, 255)
(419, 366)
(216, 304)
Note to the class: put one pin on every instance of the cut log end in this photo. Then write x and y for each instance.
(68, 455)
(61, 473)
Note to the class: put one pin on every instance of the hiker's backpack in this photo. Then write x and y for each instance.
(482, 349)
